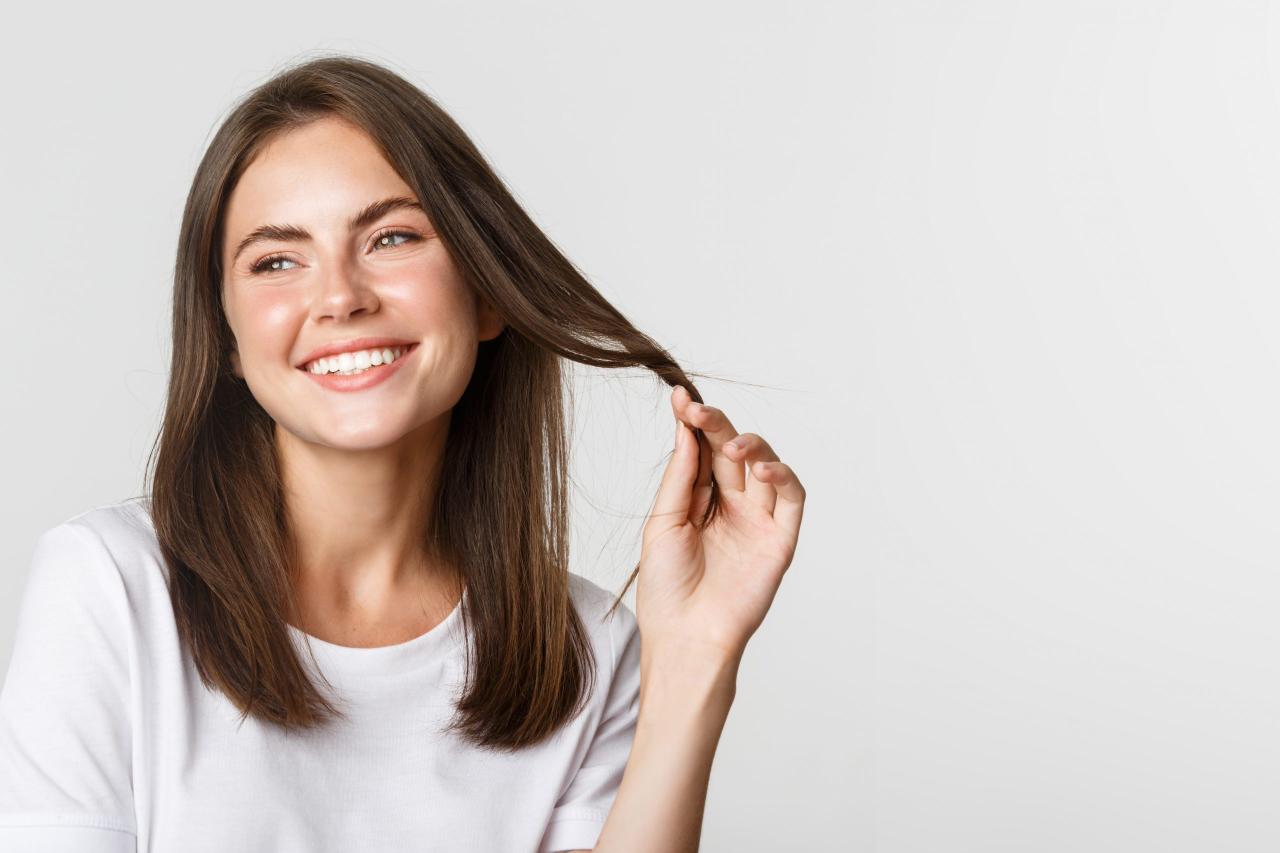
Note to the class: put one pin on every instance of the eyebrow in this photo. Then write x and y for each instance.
(368, 216)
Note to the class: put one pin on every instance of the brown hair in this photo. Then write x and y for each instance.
(500, 511)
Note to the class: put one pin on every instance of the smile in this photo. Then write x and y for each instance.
(357, 361)
(358, 369)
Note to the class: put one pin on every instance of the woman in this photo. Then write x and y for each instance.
(360, 482)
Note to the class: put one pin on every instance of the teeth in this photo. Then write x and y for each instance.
(351, 363)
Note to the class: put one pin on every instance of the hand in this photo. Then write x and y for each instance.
(708, 590)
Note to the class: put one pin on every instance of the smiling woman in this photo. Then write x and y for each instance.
(342, 618)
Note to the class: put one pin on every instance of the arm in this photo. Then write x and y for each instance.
(684, 702)
(703, 589)
(65, 733)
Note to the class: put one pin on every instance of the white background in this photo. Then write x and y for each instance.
(996, 278)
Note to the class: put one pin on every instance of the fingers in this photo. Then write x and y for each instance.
(702, 484)
(717, 429)
(773, 484)
(790, 506)
(755, 451)
(675, 492)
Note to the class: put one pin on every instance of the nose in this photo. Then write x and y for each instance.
(342, 294)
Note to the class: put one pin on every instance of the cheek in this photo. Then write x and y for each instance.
(435, 313)
(445, 366)
(264, 323)
(431, 294)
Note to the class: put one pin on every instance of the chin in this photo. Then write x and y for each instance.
(354, 434)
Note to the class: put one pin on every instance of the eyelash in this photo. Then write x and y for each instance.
(260, 268)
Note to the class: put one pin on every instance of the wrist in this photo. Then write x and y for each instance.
(694, 652)
(690, 674)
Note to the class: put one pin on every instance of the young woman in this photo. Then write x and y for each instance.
(341, 618)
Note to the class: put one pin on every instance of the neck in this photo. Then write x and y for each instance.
(358, 518)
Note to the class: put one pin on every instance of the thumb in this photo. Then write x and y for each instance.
(675, 492)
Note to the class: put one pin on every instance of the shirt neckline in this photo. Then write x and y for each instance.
(351, 661)
(396, 659)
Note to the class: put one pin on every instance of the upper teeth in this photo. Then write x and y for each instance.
(350, 362)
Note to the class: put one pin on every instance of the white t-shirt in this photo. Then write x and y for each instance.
(109, 741)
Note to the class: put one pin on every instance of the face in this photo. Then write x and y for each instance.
(323, 280)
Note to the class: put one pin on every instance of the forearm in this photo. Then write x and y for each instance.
(684, 702)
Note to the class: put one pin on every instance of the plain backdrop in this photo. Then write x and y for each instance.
(998, 279)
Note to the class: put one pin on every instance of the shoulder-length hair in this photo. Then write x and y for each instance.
(500, 512)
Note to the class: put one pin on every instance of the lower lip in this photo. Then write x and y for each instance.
(360, 381)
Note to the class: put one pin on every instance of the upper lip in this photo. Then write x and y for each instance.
(351, 345)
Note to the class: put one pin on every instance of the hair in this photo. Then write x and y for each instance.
(501, 506)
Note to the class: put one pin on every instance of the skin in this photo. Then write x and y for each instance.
(363, 458)
(359, 467)
(700, 595)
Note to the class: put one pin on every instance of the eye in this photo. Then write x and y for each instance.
(395, 232)
(269, 264)
(269, 261)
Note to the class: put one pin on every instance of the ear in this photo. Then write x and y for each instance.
(235, 364)
(490, 323)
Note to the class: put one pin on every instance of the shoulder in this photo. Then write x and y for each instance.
(105, 554)
(69, 694)
(75, 629)
(614, 632)
(121, 528)
(594, 602)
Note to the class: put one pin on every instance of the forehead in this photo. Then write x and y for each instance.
(314, 176)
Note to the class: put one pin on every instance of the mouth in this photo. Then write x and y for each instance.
(342, 372)
(357, 362)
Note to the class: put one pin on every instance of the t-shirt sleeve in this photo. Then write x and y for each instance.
(580, 813)
(65, 743)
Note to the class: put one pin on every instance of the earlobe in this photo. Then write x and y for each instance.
(235, 364)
